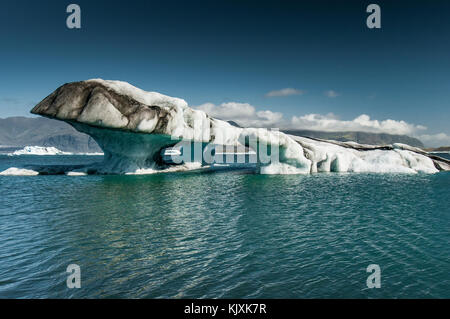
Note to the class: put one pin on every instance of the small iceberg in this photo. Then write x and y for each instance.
(14, 171)
(42, 150)
(38, 150)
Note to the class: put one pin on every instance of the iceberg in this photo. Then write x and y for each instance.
(38, 150)
(134, 128)
(41, 150)
(14, 171)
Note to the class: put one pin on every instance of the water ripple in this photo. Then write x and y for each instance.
(227, 235)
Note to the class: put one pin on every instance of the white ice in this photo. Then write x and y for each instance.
(42, 150)
(14, 171)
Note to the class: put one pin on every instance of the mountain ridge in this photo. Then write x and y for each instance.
(353, 136)
(20, 131)
(359, 137)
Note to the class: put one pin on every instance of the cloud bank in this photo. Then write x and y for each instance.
(246, 115)
(363, 122)
(435, 140)
(242, 113)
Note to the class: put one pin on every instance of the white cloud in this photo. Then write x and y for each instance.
(363, 123)
(246, 115)
(435, 140)
(285, 92)
(331, 93)
(242, 113)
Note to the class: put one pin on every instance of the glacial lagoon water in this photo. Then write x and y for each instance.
(222, 235)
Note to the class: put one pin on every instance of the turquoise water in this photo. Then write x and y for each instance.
(223, 235)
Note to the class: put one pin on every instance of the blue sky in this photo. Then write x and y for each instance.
(231, 54)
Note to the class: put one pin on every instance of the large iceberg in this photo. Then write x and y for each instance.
(134, 127)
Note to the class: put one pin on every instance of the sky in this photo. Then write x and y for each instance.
(297, 64)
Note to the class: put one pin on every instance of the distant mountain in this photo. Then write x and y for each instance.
(359, 137)
(233, 123)
(17, 132)
(439, 149)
